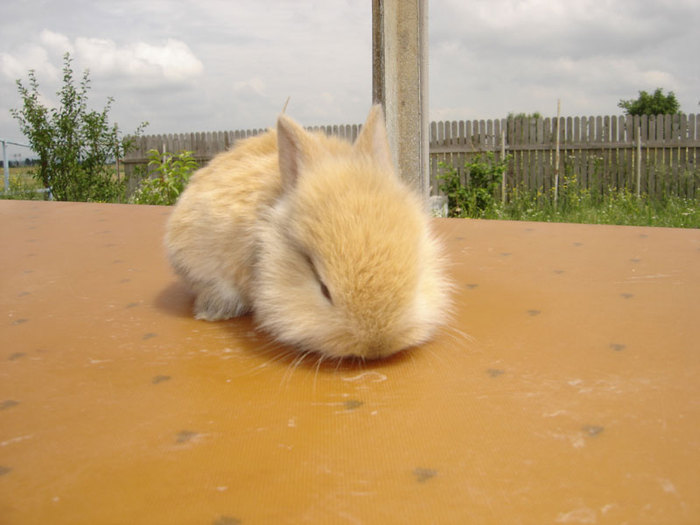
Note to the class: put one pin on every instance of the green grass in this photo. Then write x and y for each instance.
(612, 206)
(23, 186)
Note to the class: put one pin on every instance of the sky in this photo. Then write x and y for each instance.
(210, 65)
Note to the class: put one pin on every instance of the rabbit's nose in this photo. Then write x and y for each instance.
(377, 351)
(373, 353)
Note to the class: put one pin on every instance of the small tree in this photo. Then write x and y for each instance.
(513, 116)
(654, 104)
(76, 146)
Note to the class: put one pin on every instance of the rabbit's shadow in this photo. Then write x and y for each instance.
(176, 300)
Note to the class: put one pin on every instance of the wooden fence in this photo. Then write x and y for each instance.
(656, 155)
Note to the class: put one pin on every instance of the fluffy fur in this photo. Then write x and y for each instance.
(318, 237)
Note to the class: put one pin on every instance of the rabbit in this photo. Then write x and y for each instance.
(318, 237)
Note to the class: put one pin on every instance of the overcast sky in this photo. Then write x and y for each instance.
(207, 65)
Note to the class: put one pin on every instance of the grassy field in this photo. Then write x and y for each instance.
(620, 207)
(23, 186)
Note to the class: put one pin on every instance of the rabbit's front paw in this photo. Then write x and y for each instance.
(212, 305)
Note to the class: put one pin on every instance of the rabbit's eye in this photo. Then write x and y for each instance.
(325, 292)
(324, 289)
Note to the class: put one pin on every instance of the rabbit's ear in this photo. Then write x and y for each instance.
(291, 143)
(372, 139)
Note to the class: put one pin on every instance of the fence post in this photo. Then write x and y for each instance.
(556, 157)
(639, 161)
(503, 159)
(117, 149)
(6, 168)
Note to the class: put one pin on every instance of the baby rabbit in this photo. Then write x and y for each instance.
(318, 237)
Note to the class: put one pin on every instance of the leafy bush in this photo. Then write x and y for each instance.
(167, 178)
(484, 175)
(77, 147)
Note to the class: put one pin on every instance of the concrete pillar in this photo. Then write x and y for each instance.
(400, 83)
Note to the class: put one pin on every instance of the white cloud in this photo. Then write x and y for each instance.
(15, 65)
(171, 62)
(56, 42)
(255, 86)
(141, 63)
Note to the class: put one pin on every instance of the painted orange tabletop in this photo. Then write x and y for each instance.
(566, 390)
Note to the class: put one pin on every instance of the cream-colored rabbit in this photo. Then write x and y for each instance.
(318, 237)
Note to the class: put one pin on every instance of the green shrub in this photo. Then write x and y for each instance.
(478, 197)
(168, 175)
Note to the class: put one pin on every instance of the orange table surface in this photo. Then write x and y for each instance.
(566, 389)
